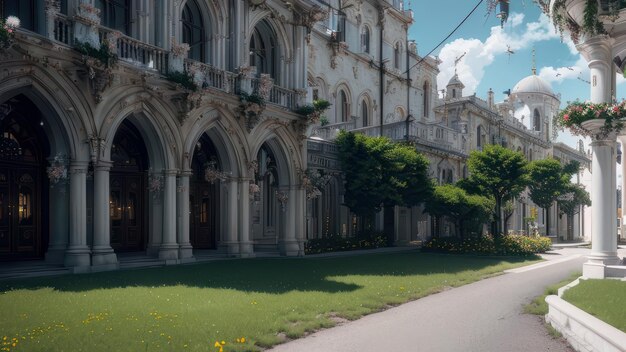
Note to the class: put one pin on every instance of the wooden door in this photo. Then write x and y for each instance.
(126, 210)
(203, 203)
(20, 224)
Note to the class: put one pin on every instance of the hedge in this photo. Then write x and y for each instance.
(335, 243)
(486, 245)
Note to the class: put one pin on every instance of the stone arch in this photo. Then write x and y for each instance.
(284, 48)
(365, 109)
(212, 16)
(342, 107)
(67, 120)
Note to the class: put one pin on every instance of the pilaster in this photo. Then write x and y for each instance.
(103, 256)
(168, 250)
(185, 252)
(77, 254)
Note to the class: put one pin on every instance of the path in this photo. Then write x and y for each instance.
(482, 316)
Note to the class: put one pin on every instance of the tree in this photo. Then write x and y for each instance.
(547, 180)
(380, 173)
(570, 206)
(501, 173)
(467, 211)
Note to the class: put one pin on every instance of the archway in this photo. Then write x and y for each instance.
(204, 195)
(128, 196)
(24, 147)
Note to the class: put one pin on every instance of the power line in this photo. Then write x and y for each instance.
(446, 38)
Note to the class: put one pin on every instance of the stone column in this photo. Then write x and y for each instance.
(185, 252)
(246, 248)
(288, 244)
(597, 51)
(232, 227)
(59, 229)
(169, 248)
(103, 256)
(603, 199)
(300, 225)
(622, 140)
(77, 254)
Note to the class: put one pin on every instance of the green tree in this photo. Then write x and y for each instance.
(381, 173)
(547, 180)
(570, 206)
(500, 173)
(467, 211)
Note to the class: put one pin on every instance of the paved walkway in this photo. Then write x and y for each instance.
(482, 316)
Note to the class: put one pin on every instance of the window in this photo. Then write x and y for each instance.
(263, 49)
(343, 108)
(365, 40)
(426, 102)
(193, 31)
(536, 120)
(115, 14)
(364, 113)
(338, 26)
(25, 10)
(479, 133)
(454, 93)
(396, 55)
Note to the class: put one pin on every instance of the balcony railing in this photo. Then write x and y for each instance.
(330, 131)
(278, 95)
(64, 30)
(213, 77)
(137, 52)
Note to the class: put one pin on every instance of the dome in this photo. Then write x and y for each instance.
(532, 84)
(455, 81)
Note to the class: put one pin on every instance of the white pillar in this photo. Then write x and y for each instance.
(59, 213)
(103, 257)
(77, 254)
(300, 225)
(288, 243)
(185, 252)
(232, 226)
(623, 224)
(169, 248)
(597, 50)
(603, 196)
(246, 248)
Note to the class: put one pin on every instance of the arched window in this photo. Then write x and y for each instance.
(115, 14)
(426, 102)
(343, 108)
(454, 93)
(365, 113)
(365, 39)
(536, 120)
(396, 55)
(479, 133)
(263, 51)
(193, 31)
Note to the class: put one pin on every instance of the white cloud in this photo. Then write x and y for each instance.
(557, 75)
(479, 54)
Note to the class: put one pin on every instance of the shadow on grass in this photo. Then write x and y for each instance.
(268, 275)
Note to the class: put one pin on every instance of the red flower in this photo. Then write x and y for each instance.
(566, 117)
(616, 109)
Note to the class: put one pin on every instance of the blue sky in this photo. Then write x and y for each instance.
(487, 63)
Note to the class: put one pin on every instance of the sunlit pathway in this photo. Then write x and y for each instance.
(482, 316)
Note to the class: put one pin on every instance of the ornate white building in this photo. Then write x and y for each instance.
(99, 158)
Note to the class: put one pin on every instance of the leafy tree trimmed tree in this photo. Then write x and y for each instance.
(467, 211)
(499, 172)
(571, 206)
(547, 180)
(381, 173)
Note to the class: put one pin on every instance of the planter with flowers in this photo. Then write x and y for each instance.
(7, 31)
(311, 113)
(597, 120)
(251, 107)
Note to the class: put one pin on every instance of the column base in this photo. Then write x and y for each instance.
(168, 252)
(599, 268)
(103, 256)
(78, 257)
(153, 250)
(185, 253)
(246, 250)
(55, 255)
(290, 248)
(231, 248)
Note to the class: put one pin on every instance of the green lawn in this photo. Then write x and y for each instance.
(604, 299)
(190, 307)
(538, 305)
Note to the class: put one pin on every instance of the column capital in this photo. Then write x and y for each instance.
(79, 166)
(170, 172)
(103, 165)
(185, 173)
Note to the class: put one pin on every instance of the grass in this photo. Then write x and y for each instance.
(191, 307)
(538, 305)
(604, 299)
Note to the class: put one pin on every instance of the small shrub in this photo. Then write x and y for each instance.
(337, 243)
(102, 54)
(184, 79)
(486, 245)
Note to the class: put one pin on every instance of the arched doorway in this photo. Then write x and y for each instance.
(204, 196)
(128, 193)
(264, 50)
(23, 185)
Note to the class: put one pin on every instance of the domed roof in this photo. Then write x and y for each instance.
(455, 81)
(532, 84)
